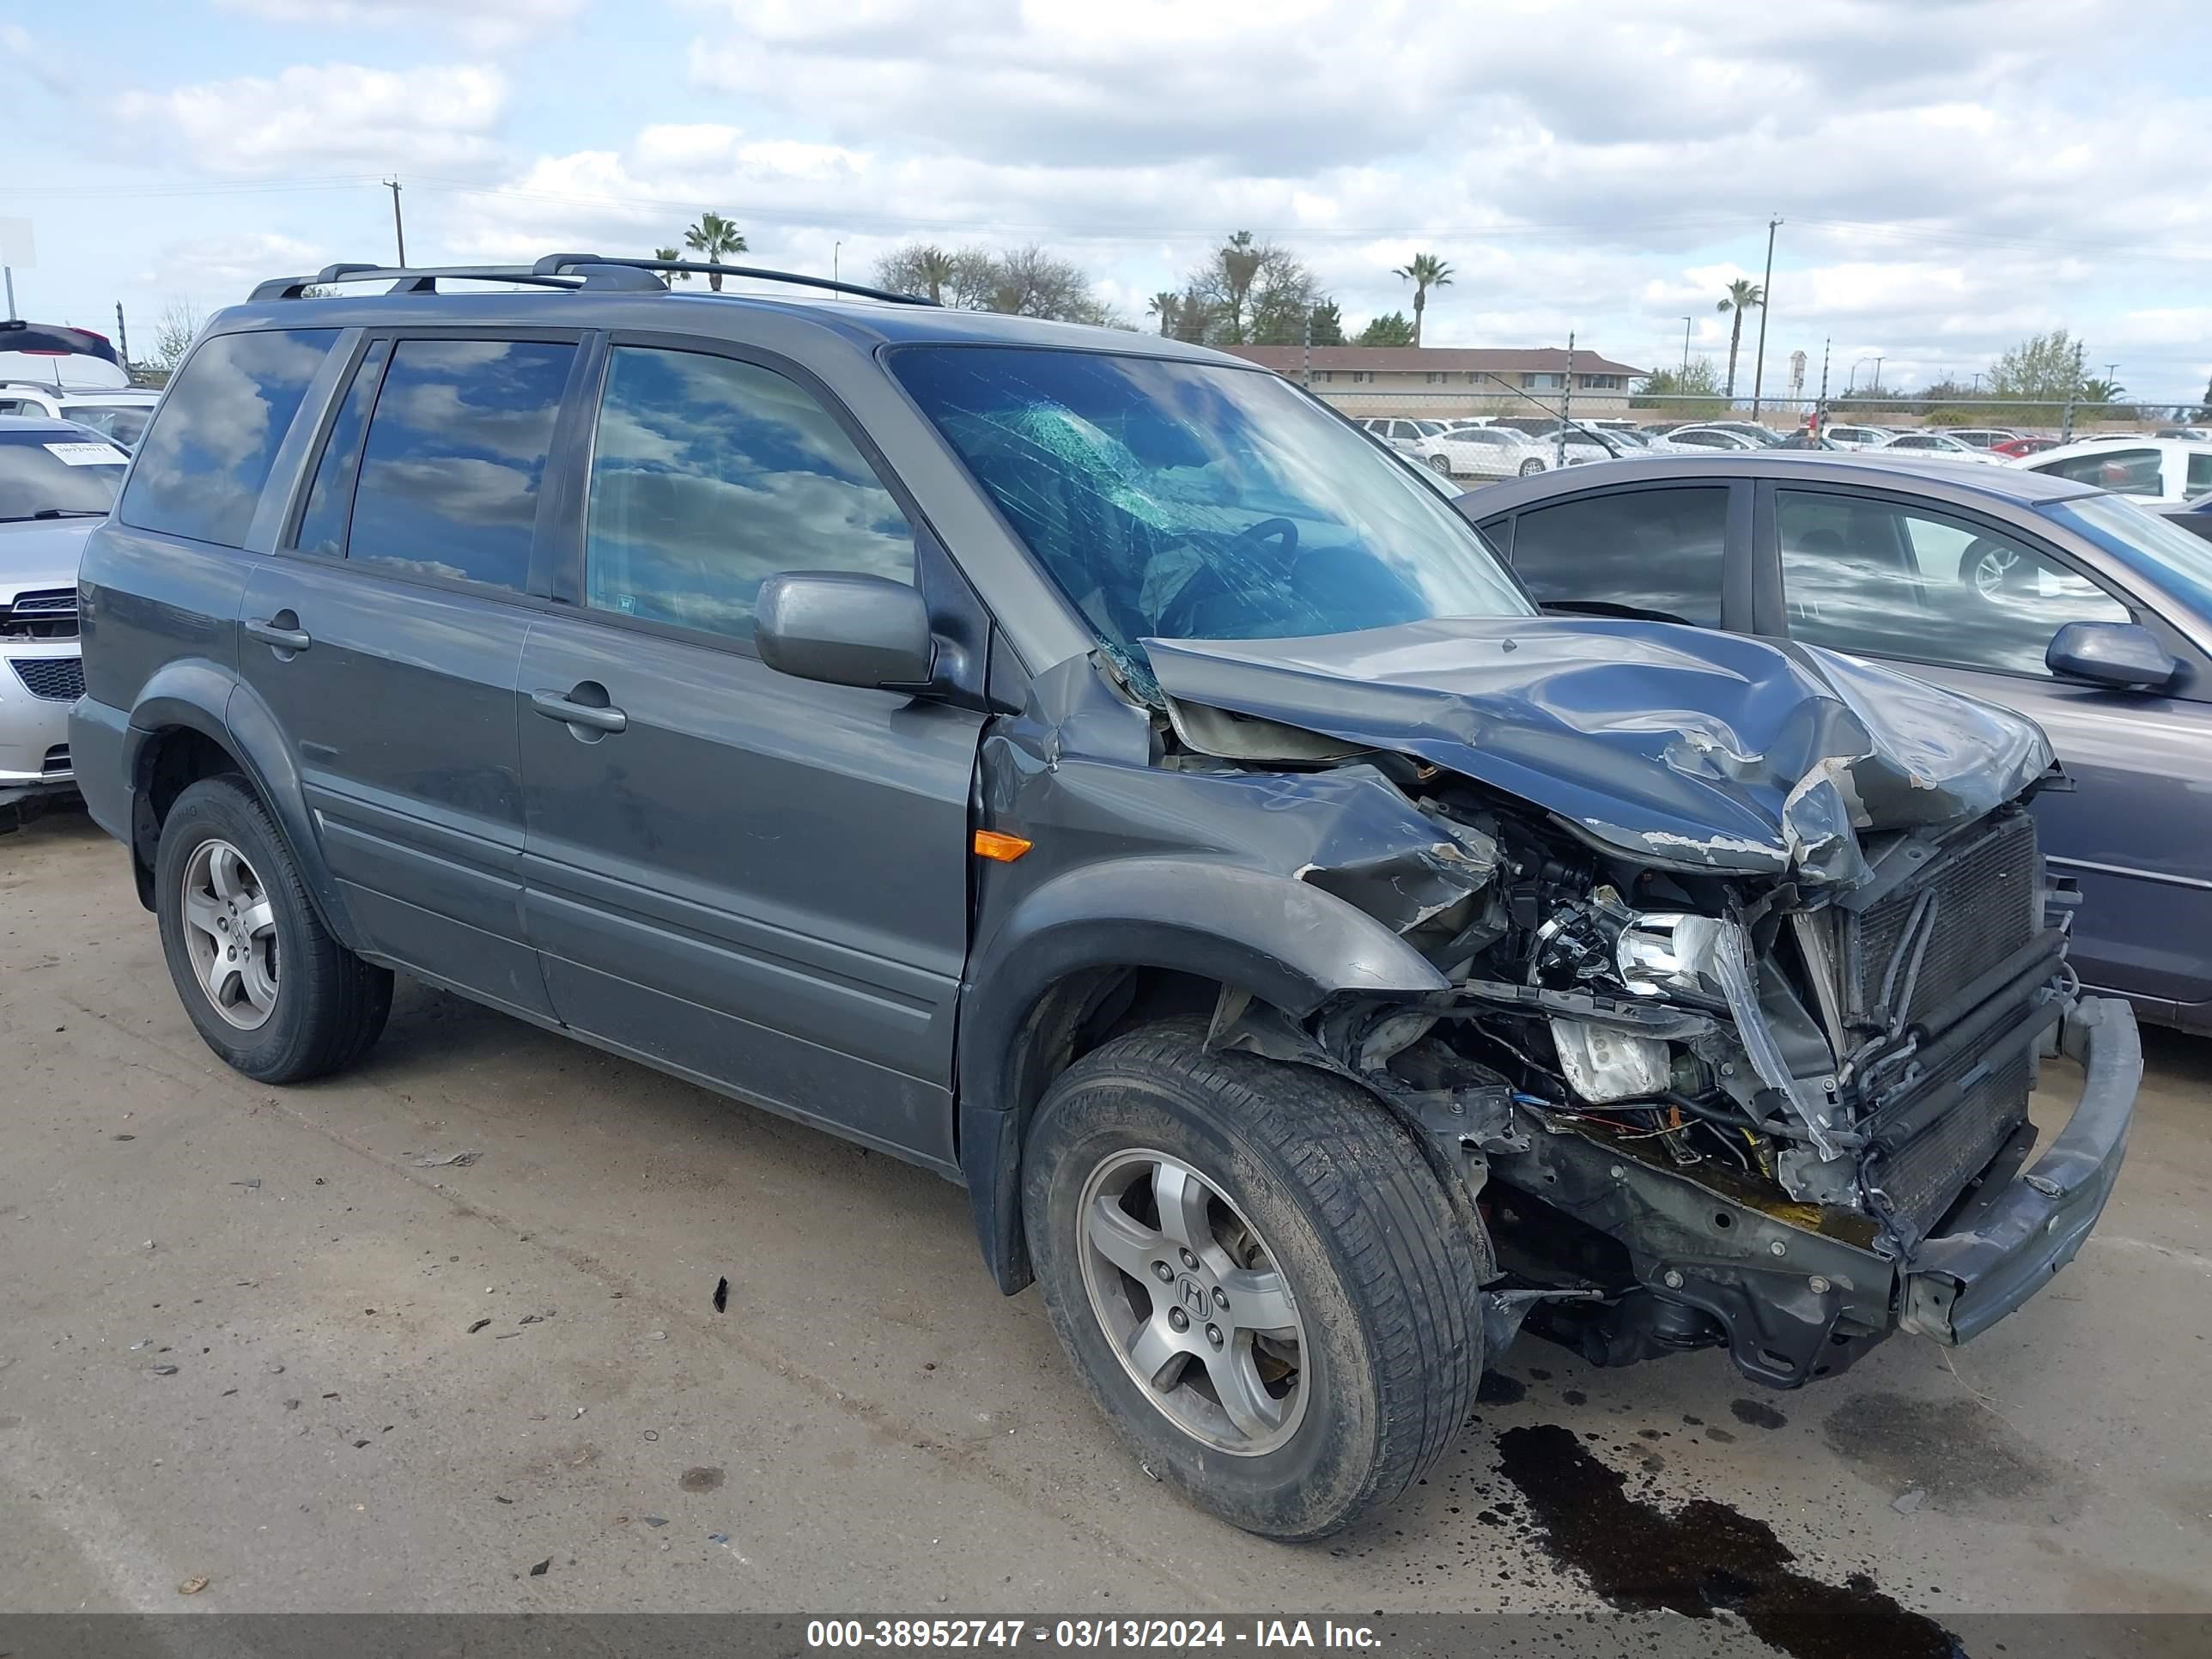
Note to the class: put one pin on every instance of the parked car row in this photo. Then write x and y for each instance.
(70, 374)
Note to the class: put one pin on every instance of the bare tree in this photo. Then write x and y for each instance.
(1026, 281)
(174, 331)
(1252, 292)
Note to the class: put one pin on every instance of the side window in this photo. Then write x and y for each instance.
(202, 463)
(710, 476)
(1655, 550)
(1886, 580)
(323, 523)
(2198, 481)
(2130, 471)
(455, 452)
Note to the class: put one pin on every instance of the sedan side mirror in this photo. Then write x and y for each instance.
(2110, 654)
(844, 630)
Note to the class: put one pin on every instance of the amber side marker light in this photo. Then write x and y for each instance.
(998, 847)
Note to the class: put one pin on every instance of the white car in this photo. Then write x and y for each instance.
(1483, 452)
(1936, 446)
(57, 481)
(2149, 469)
(1983, 437)
(1400, 433)
(1855, 437)
(118, 413)
(1711, 437)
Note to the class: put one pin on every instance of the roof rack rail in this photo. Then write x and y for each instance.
(408, 279)
(559, 270)
(553, 264)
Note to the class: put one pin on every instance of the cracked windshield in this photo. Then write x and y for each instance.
(1176, 501)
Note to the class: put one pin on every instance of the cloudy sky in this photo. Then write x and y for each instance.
(1952, 174)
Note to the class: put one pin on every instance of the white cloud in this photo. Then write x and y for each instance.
(331, 114)
(486, 24)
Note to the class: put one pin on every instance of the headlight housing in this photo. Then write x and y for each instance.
(1664, 952)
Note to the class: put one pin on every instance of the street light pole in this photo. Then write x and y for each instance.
(836, 249)
(1686, 345)
(1765, 303)
(398, 229)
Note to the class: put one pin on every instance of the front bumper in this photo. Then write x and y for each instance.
(2007, 1241)
(33, 730)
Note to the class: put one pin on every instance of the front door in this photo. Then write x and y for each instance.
(753, 879)
(387, 639)
(1972, 605)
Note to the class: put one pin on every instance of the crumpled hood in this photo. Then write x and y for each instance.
(1673, 744)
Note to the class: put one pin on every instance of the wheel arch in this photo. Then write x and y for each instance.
(194, 722)
(1090, 951)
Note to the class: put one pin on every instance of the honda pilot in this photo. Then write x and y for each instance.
(1085, 766)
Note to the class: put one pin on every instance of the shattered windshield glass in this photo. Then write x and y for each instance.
(1180, 501)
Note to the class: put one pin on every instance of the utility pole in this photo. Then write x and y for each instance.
(398, 229)
(836, 251)
(1820, 408)
(1686, 345)
(1305, 362)
(1765, 304)
(1566, 403)
(122, 338)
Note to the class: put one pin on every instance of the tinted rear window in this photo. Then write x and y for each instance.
(203, 461)
(456, 450)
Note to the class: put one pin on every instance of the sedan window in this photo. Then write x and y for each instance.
(1882, 578)
(1633, 552)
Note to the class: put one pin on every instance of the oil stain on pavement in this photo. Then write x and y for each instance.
(1703, 1558)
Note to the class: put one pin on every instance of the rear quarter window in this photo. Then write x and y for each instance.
(207, 454)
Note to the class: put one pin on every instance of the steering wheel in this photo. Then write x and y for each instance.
(1210, 580)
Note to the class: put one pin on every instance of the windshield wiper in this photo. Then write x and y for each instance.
(68, 512)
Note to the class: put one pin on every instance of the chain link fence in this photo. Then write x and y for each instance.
(2060, 421)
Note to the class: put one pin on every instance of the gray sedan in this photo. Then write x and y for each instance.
(2074, 605)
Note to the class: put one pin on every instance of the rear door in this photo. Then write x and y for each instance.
(1669, 552)
(755, 880)
(1972, 602)
(387, 639)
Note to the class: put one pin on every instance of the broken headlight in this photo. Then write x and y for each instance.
(1602, 1064)
(1662, 952)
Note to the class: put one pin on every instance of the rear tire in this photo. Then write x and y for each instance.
(1531, 467)
(267, 985)
(1313, 1195)
(1440, 463)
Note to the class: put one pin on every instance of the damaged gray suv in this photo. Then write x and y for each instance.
(1085, 766)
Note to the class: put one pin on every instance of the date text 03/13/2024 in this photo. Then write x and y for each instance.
(1143, 1634)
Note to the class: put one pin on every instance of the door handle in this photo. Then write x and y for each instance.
(284, 639)
(558, 706)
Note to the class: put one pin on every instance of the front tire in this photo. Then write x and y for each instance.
(1531, 467)
(267, 985)
(1260, 1278)
(1440, 463)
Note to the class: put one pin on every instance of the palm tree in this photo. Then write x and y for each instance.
(714, 238)
(936, 267)
(2102, 391)
(1424, 271)
(1167, 307)
(1743, 296)
(671, 255)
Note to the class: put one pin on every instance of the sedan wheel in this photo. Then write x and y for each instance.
(1440, 463)
(1532, 467)
(1190, 1297)
(230, 934)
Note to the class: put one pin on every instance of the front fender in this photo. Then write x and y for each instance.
(204, 697)
(1288, 943)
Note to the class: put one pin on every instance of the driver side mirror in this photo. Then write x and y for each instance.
(2125, 654)
(844, 630)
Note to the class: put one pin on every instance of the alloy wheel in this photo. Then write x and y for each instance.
(1188, 1294)
(230, 934)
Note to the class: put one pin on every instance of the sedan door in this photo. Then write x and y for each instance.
(756, 881)
(1972, 602)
